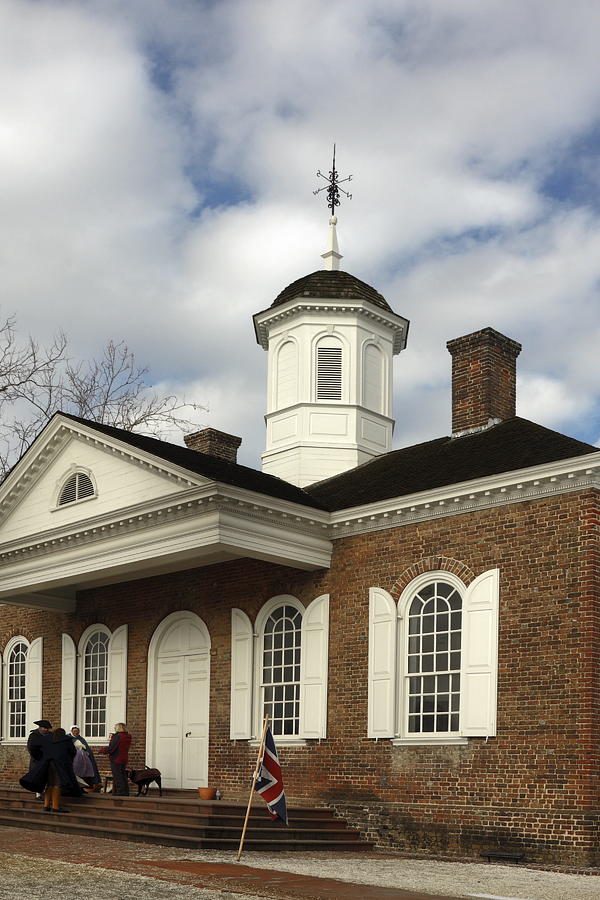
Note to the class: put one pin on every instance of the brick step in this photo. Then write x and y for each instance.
(200, 807)
(222, 817)
(54, 823)
(172, 827)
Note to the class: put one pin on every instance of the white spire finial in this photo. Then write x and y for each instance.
(332, 255)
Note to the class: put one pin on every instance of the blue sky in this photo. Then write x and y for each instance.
(157, 163)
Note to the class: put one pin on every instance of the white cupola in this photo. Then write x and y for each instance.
(331, 340)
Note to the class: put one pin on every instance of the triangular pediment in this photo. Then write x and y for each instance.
(123, 479)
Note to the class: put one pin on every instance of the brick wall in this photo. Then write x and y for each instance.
(533, 786)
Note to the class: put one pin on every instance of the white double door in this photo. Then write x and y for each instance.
(182, 706)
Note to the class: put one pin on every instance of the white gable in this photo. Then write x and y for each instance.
(120, 481)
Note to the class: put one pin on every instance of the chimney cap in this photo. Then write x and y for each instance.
(485, 336)
(214, 443)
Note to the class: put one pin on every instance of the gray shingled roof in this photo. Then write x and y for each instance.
(513, 444)
(332, 285)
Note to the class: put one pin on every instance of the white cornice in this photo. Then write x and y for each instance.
(56, 435)
(264, 321)
(532, 483)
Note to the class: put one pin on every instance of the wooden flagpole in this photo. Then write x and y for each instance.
(254, 777)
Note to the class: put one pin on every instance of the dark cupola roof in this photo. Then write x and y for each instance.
(332, 284)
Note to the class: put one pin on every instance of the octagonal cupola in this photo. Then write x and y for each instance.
(330, 339)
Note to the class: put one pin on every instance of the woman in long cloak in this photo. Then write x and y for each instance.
(84, 764)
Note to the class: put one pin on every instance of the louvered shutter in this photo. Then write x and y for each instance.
(329, 373)
(68, 700)
(34, 680)
(382, 664)
(242, 668)
(117, 678)
(313, 669)
(69, 491)
(480, 656)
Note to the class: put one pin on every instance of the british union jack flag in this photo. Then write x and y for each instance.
(269, 783)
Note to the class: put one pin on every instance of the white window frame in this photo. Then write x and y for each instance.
(388, 652)
(33, 686)
(116, 678)
(246, 670)
(10, 647)
(402, 734)
(261, 621)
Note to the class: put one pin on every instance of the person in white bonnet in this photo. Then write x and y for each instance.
(84, 764)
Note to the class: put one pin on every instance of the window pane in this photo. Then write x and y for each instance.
(432, 697)
(281, 683)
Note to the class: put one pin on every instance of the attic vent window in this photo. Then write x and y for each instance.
(329, 373)
(77, 487)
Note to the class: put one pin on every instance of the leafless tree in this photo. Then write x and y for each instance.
(37, 381)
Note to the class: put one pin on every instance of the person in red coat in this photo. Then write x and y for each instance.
(118, 753)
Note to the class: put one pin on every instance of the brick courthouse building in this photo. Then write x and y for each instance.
(423, 625)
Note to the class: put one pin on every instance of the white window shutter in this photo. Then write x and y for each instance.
(314, 661)
(479, 675)
(117, 678)
(34, 680)
(242, 668)
(68, 706)
(382, 664)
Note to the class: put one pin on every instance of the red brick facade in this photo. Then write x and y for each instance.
(534, 786)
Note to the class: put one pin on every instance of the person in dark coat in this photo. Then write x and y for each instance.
(53, 773)
(118, 753)
(35, 743)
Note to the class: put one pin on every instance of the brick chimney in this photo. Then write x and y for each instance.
(484, 375)
(214, 443)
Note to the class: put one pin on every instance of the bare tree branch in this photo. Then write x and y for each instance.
(38, 381)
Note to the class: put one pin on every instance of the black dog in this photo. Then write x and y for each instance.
(143, 778)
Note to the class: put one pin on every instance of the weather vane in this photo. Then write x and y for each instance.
(333, 186)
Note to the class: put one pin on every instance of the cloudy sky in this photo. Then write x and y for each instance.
(157, 163)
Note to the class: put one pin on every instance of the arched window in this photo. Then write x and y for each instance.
(287, 375)
(279, 666)
(78, 486)
(16, 690)
(433, 660)
(329, 369)
(22, 686)
(94, 680)
(280, 682)
(95, 684)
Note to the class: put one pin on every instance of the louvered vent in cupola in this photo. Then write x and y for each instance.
(329, 373)
(77, 487)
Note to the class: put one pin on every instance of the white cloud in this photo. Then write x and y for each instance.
(157, 159)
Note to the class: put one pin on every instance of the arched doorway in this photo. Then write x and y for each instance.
(178, 700)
